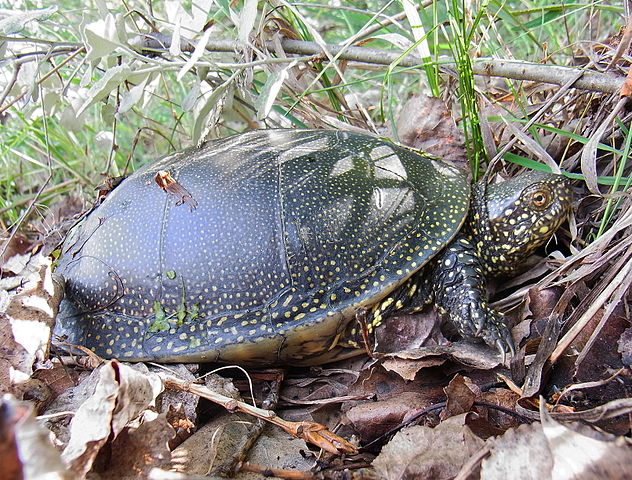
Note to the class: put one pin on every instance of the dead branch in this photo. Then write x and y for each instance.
(514, 69)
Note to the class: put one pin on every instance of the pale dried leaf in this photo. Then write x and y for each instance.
(424, 452)
(138, 389)
(17, 20)
(407, 369)
(110, 408)
(16, 263)
(90, 427)
(200, 10)
(577, 456)
(372, 419)
(589, 152)
(101, 38)
(31, 311)
(174, 48)
(200, 49)
(426, 124)
(270, 90)
(395, 39)
(133, 96)
(624, 347)
(15, 362)
(189, 101)
(69, 120)
(25, 445)
(461, 393)
(467, 353)
(247, 18)
(561, 453)
(212, 103)
(111, 79)
(515, 452)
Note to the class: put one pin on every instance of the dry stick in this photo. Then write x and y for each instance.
(515, 69)
(614, 408)
(400, 16)
(590, 312)
(470, 466)
(589, 153)
(253, 432)
(518, 70)
(545, 108)
(379, 25)
(594, 81)
(46, 191)
(11, 83)
(42, 79)
(585, 385)
(277, 473)
(616, 297)
(311, 432)
(624, 44)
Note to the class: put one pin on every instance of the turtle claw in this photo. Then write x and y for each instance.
(501, 349)
(496, 334)
(503, 342)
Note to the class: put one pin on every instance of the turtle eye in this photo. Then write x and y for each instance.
(541, 199)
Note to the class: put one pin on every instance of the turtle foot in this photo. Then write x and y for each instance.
(475, 319)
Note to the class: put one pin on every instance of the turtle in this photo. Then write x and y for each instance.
(262, 247)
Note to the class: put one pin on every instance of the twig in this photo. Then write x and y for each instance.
(46, 191)
(555, 74)
(43, 186)
(42, 41)
(400, 16)
(589, 153)
(253, 432)
(537, 116)
(311, 432)
(515, 69)
(470, 466)
(41, 79)
(11, 83)
(612, 409)
(590, 312)
(597, 383)
(277, 473)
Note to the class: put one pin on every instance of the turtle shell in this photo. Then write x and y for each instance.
(284, 235)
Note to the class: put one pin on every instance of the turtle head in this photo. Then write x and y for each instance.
(509, 220)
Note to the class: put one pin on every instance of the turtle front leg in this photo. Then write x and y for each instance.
(456, 281)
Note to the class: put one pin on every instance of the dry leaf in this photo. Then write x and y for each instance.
(461, 393)
(424, 452)
(515, 453)
(561, 453)
(426, 124)
(138, 450)
(625, 347)
(121, 394)
(373, 419)
(626, 88)
(25, 449)
(27, 313)
(171, 186)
